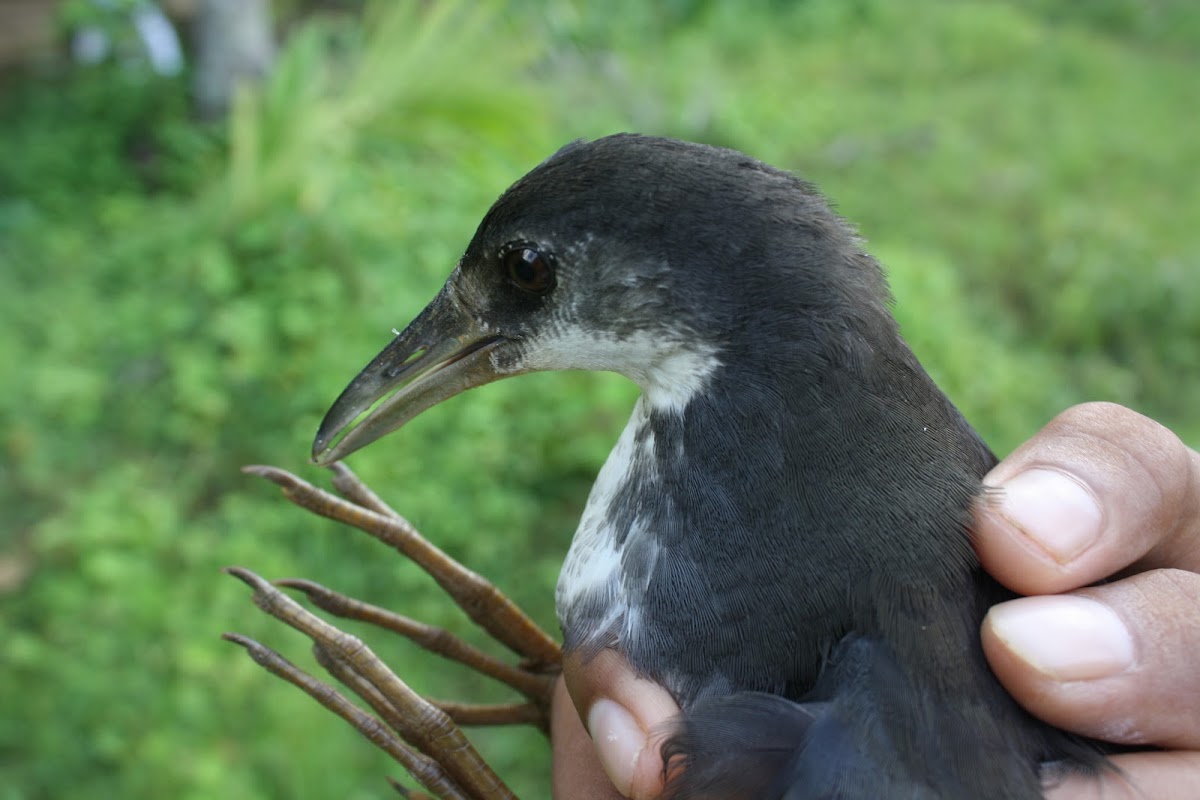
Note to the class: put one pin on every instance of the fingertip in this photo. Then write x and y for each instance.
(1096, 490)
(1070, 660)
(629, 753)
(625, 716)
(619, 741)
(1033, 528)
(1063, 638)
(1055, 510)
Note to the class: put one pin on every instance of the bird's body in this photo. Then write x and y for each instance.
(780, 536)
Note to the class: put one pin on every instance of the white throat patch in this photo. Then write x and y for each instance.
(669, 371)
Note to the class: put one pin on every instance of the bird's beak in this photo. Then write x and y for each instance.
(441, 353)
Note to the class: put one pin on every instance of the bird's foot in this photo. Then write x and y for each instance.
(420, 734)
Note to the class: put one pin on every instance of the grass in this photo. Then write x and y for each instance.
(179, 300)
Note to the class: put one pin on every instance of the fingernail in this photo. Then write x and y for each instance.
(1067, 638)
(1054, 510)
(619, 740)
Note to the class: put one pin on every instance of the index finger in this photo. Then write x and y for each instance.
(1098, 490)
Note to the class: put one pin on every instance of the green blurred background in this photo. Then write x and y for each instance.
(179, 298)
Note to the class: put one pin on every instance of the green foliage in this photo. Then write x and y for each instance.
(180, 300)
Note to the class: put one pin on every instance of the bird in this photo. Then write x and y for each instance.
(781, 535)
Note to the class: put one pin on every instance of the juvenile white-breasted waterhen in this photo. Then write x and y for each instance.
(780, 536)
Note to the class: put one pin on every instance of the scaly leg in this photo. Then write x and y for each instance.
(479, 598)
(420, 734)
(424, 769)
(535, 686)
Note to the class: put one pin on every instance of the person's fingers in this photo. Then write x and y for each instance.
(626, 717)
(1142, 776)
(1114, 662)
(1099, 489)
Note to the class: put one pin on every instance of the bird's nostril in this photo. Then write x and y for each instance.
(420, 351)
(394, 370)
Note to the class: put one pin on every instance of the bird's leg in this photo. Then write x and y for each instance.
(424, 769)
(477, 597)
(429, 744)
(419, 733)
(534, 686)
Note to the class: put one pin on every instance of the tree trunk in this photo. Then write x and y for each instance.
(234, 43)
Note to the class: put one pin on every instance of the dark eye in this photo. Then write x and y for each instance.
(529, 269)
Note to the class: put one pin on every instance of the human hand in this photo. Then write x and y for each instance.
(1114, 662)
(624, 713)
(1102, 491)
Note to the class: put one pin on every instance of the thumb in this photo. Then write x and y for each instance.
(625, 715)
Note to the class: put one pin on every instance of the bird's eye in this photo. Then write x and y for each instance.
(529, 269)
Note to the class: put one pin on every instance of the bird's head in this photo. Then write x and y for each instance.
(643, 256)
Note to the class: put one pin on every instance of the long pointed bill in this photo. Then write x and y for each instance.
(441, 353)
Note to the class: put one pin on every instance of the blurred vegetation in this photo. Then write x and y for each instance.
(178, 300)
